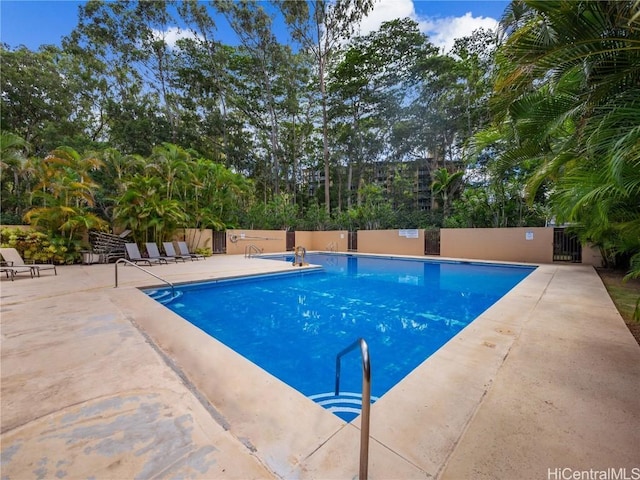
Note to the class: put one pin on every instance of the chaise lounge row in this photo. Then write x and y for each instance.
(154, 256)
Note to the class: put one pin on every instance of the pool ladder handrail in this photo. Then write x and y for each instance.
(332, 247)
(251, 248)
(298, 256)
(366, 400)
(128, 262)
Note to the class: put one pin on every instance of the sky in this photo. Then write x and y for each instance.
(33, 23)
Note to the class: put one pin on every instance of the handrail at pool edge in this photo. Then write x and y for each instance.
(366, 401)
(128, 262)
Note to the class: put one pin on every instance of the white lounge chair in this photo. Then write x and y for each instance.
(17, 264)
(184, 250)
(133, 254)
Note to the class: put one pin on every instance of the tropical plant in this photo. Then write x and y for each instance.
(444, 186)
(14, 178)
(65, 196)
(567, 97)
(38, 247)
(146, 211)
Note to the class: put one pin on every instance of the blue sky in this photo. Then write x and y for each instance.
(37, 22)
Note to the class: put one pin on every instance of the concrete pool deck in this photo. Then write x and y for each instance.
(99, 382)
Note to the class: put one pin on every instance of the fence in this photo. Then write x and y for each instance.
(534, 245)
(566, 246)
(219, 242)
(352, 243)
(432, 242)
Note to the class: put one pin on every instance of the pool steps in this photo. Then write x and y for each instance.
(346, 405)
(163, 296)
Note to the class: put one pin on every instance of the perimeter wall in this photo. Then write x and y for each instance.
(532, 245)
(397, 242)
(269, 241)
(333, 240)
(518, 244)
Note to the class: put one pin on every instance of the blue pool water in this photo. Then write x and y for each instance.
(293, 325)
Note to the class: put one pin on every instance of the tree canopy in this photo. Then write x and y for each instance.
(145, 115)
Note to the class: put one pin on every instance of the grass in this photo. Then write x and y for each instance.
(625, 296)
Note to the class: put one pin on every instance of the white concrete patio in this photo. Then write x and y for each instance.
(99, 382)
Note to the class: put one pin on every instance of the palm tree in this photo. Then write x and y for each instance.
(145, 209)
(14, 176)
(113, 176)
(170, 162)
(444, 186)
(567, 96)
(67, 193)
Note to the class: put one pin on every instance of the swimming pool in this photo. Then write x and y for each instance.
(292, 325)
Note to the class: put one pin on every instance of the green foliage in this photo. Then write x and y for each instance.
(15, 179)
(316, 218)
(173, 190)
(279, 213)
(241, 134)
(206, 251)
(269, 113)
(38, 247)
(65, 195)
(42, 98)
(567, 98)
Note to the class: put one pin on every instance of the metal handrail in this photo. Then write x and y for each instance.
(298, 256)
(332, 247)
(124, 260)
(251, 248)
(366, 401)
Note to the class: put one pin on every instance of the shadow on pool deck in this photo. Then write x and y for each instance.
(105, 383)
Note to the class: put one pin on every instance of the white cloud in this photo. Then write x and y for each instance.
(384, 11)
(172, 35)
(442, 31)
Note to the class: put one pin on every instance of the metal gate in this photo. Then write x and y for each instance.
(291, 241)
(432, 242)
(220, 242)
(352, 244)
(566, 246)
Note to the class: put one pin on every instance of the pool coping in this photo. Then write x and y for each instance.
(415, 432)
(478, 349)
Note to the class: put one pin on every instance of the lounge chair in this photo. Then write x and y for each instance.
(17, 264)
(11, 273)
(133, 254)
(153, 252)
(171, 252)
(184, 250)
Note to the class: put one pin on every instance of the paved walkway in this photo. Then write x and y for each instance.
(99, 382)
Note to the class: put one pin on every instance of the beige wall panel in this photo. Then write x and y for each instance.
(195, 238)
(304, 239)
(270, 241)
(390, 241)
(322, 240)
(534, 245)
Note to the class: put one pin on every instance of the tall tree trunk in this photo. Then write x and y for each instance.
(325, 141)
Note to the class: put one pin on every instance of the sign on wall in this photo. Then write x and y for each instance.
(409, 233)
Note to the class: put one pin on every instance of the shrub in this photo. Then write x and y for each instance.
(206, 251)
(38, 247)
